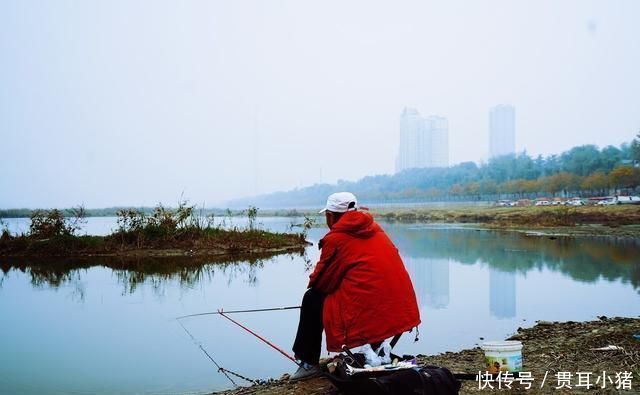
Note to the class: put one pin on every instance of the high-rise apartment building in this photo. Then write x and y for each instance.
(438, 130)
(424, 142)
(502, 130)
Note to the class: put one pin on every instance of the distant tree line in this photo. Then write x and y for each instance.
(107, 212)
(581, 171)
(69, 212)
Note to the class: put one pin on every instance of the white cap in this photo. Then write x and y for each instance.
(339, 202)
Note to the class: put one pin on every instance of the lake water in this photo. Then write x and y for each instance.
(99, 330)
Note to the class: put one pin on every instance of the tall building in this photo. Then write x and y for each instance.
(502, 130)
(430, 277)
(424, 142)
(502, 293)
(439, 133)
(411, 127)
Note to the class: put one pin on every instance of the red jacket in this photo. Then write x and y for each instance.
(369, 293)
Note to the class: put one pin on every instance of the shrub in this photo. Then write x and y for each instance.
(252, 214)
(50, 223)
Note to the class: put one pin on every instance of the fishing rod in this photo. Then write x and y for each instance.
(222, 313)
(239, 311)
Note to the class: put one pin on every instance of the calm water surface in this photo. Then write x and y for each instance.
(100, 330)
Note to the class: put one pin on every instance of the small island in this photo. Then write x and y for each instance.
(179, 232)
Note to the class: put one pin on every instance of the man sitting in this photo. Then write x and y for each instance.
(359, 293)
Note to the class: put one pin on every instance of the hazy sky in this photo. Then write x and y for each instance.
(134, 102)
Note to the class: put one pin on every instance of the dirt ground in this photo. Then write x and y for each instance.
(549, 347)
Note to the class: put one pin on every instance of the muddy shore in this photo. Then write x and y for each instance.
(594, 230)
(549, 347)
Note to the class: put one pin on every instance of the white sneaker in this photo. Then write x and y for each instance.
(306, 371)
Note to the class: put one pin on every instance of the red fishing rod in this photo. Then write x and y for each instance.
(260, 337)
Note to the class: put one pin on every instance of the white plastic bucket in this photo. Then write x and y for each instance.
(502, 356)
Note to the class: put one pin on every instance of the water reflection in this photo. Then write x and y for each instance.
(132, 272)
(427, 249)
(431, 280)
(469, 284)
(502, 293)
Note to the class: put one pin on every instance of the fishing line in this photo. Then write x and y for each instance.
(220, 368)
(239, 311)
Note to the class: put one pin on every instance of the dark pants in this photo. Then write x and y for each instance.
(309, 337)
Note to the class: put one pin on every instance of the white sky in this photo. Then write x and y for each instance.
(130, 103)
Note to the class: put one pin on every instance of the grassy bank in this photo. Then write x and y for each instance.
(548, 216)
(548, 347)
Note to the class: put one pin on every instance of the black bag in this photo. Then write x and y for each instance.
(425, 380)
(428, 380)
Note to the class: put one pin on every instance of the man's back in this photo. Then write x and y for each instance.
(369, 293)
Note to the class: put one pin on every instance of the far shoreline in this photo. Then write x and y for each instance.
(619, 221)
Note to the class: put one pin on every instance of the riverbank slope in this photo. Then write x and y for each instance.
(549, 347)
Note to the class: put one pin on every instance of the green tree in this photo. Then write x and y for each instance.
(488, 187)
(582, 160)
(472, 189)
(610, 158)
(509, 187)
(434, 193)
(456, 190)
(635, 149)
